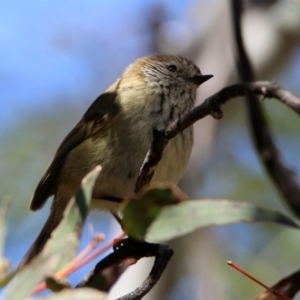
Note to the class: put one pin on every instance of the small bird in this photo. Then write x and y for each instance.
(116, 132)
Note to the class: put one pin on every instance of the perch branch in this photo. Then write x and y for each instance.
(212, 106)
(133, 249)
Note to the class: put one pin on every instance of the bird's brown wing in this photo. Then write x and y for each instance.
(100, 113)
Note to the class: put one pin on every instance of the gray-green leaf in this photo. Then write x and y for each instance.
(177, 220)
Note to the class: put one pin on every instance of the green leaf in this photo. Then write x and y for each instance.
(84, 195)
(4, 281)
(140, 212)
(4, 263)
(69, 230)
(24, 282)
(177, 220)
(57, 285)
(288, 286)
(60, 248)
(77, 294)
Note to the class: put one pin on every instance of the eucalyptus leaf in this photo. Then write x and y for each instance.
(144, 207)
(23, 284)
(177, 220)
(77, 294)
(3, 213)
(60, 248)
(69, 230)
(4, 263)
(5, 280)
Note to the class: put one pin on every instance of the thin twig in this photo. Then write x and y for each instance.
(212, 106)
(134, 249)
(162, 255)
(289, 286)
(271, 291)
(71, 267)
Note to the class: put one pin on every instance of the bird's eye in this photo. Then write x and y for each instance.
(172, 68)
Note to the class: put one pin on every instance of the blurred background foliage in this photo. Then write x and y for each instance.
(57, 57)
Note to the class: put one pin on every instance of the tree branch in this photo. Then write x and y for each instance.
(108, 270)
(131, 249)
(212, 106)
(282, 176)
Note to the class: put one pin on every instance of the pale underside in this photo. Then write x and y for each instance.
(121, 149)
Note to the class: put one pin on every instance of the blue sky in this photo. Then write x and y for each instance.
(48, 47)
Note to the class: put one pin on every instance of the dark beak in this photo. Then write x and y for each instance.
(200, 79)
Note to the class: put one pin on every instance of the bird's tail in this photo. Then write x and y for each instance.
(52, 222)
